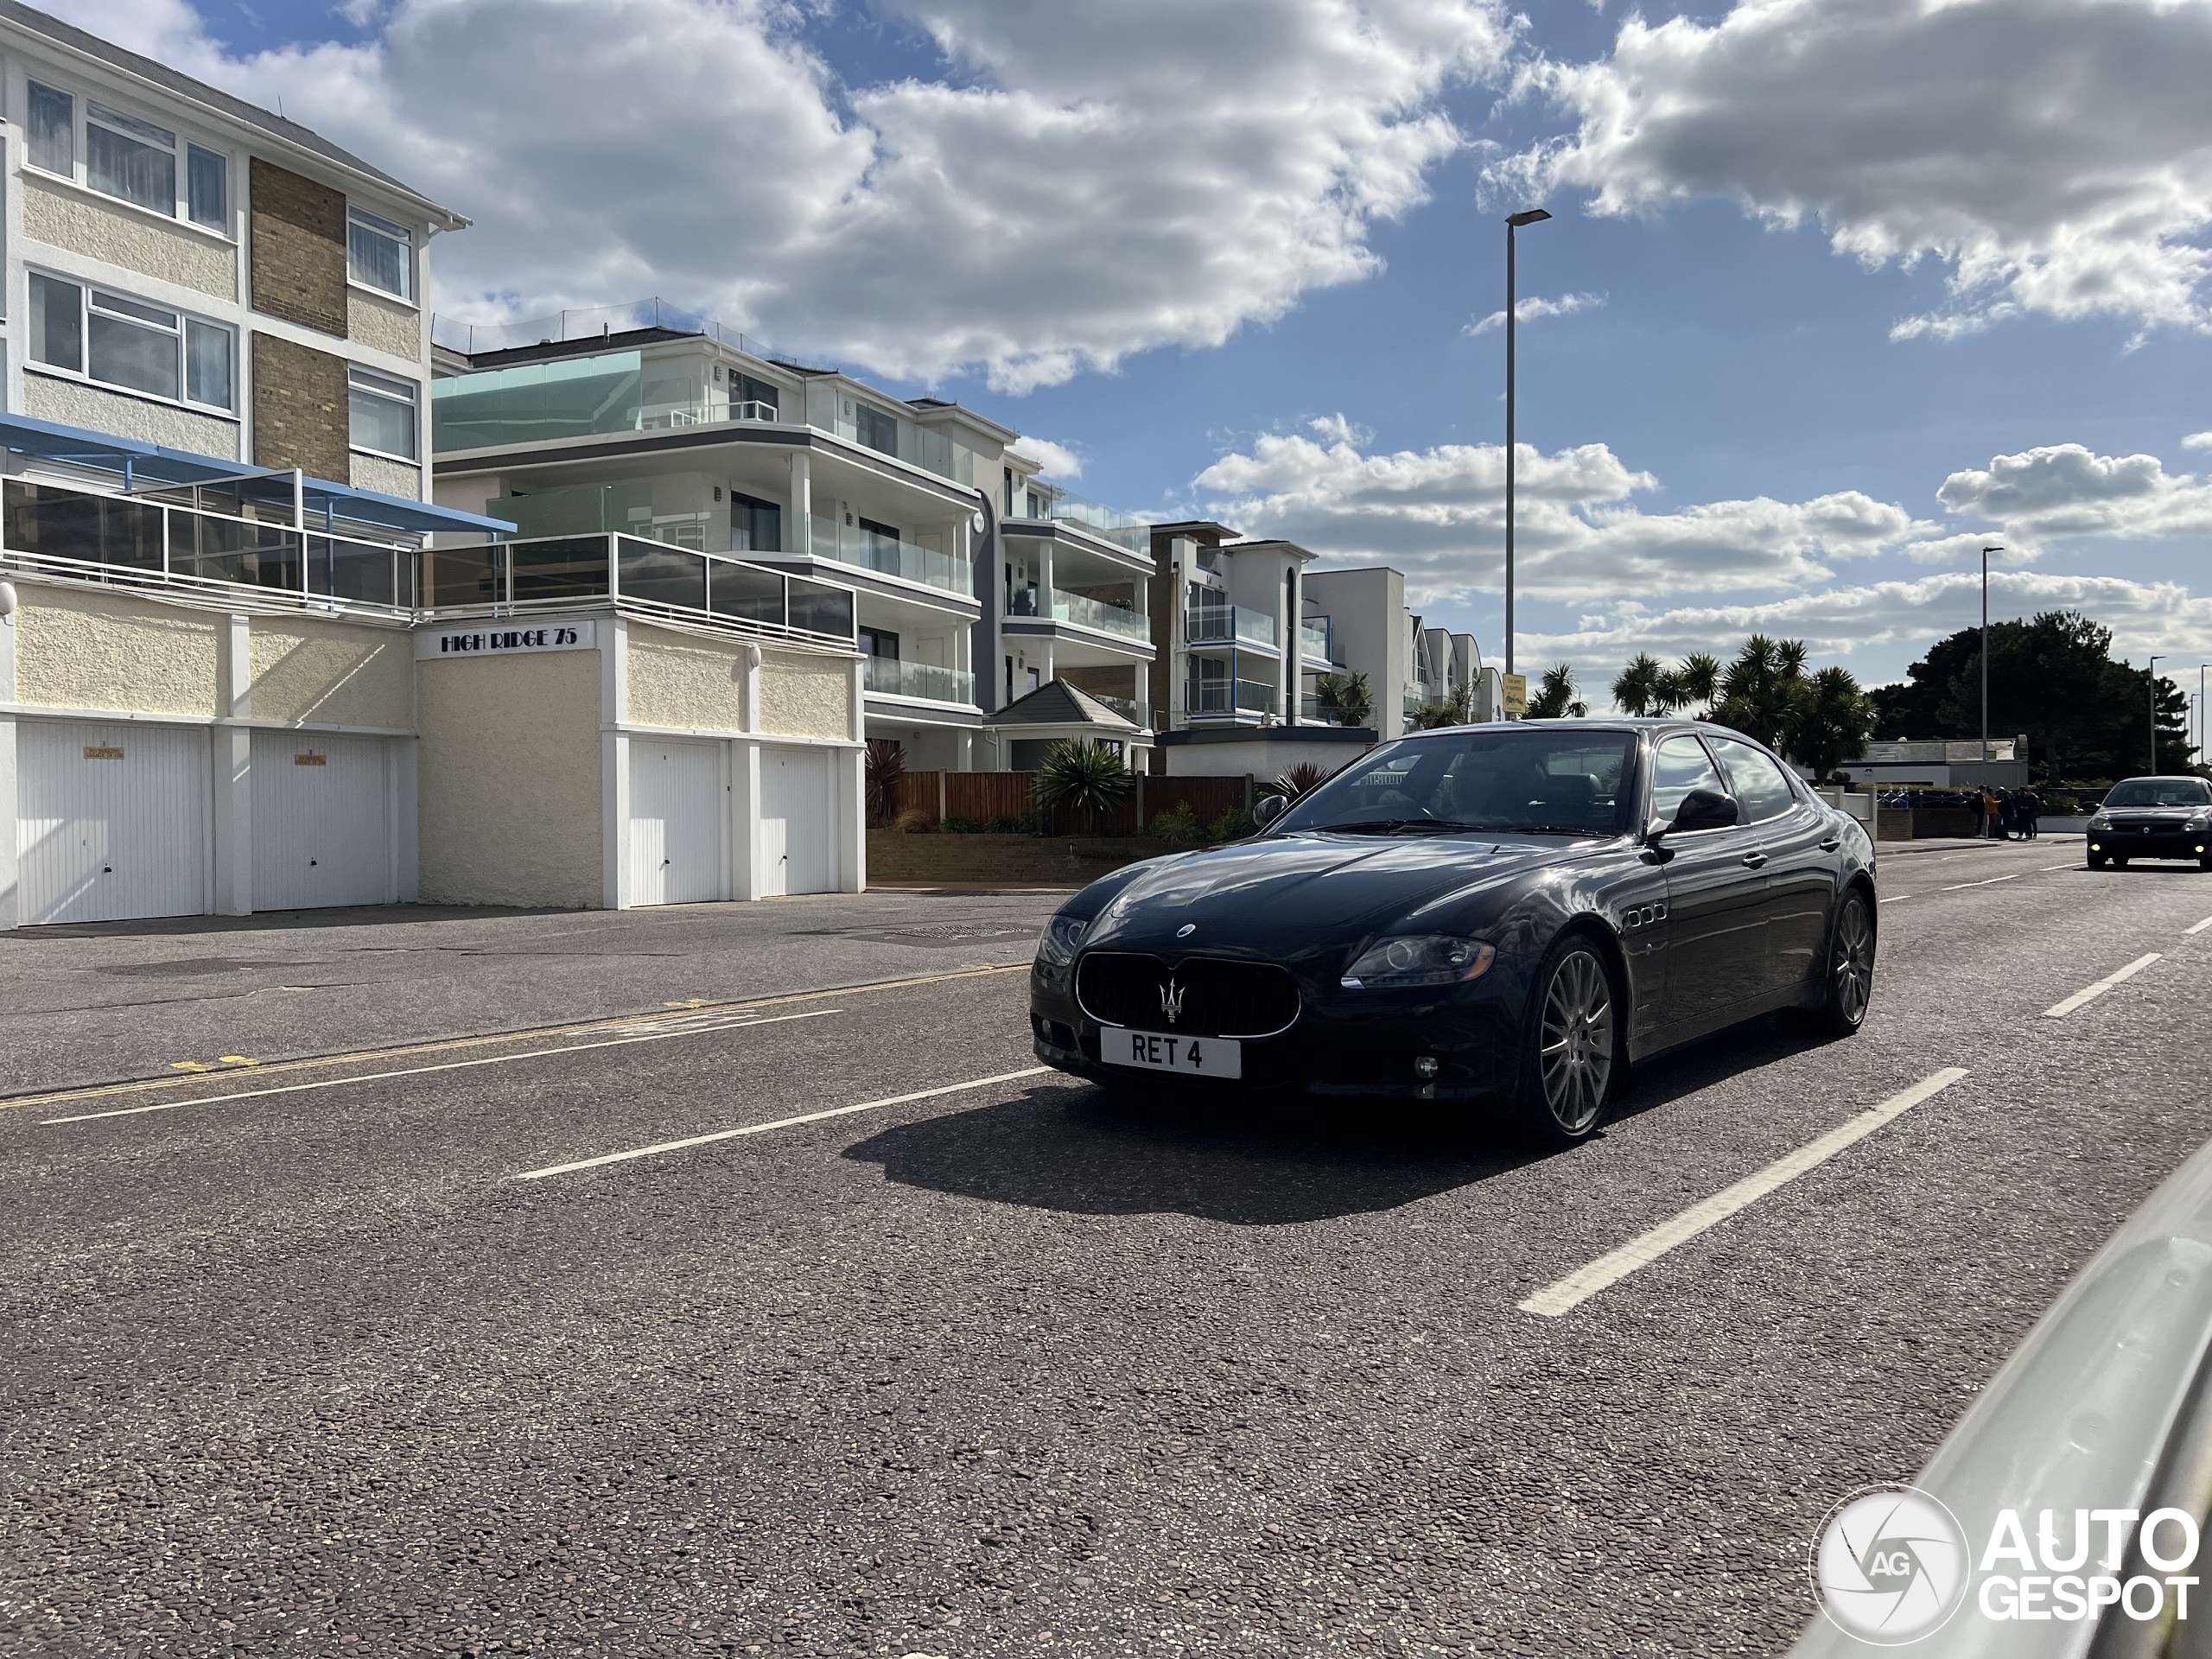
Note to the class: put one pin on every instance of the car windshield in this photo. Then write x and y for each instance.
(2161, 791)
(1535, 781)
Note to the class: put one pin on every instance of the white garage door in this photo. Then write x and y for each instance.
(322, 821)
(112, 820)
(798, 841)
(676, 823)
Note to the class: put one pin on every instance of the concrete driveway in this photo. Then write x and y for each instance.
(98, 1003)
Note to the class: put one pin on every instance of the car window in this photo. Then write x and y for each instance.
(1762, 789)
(2160, 791)
(1681, 766)
(1538, 779)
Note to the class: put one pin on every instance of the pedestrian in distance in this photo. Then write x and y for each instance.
(1989, 813)
(1974, 805)
(2030, 809)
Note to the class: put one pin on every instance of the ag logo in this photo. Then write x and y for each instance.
(1889, 1565)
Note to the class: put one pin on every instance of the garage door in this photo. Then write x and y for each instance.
(676, 823)
(798, 841)
(321, 821)
(112, 820)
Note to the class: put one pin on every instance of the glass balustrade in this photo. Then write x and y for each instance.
(1228, 697)
(1313, 640)
(868, 549)
(890, 678)
(1136, 710)
(1222, 623)
(1097, 614)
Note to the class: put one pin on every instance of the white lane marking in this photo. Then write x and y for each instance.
(422, 1070)
(1900, 898)
(779, 1123)
(2200, 927)
(1962, 886)
(1579, 1286)
(2048, 868)
(2091, 992)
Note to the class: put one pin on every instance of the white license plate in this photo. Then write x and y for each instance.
(1153, 1051)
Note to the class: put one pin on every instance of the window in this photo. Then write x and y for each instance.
(382, 412)
(1761, 786)
(1682, 766)
(876, 430)
(120, 341)
(878, 642)
(129, 158)
(210, 182)
(379, 254)
(53, 130)
(755, 526)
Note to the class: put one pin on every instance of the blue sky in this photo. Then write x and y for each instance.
(1067, 220)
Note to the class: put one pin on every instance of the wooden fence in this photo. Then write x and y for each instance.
(987, 797)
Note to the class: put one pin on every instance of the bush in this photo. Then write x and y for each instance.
(1003, 825)
(1089, 778)
(1177, 826)
(956, 825)
(1232, 825)
(912, 820)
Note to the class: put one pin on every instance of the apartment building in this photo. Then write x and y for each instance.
(235, 672)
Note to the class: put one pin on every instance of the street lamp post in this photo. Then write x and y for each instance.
(2152, 675)
(1985, 552)
(1513, 223)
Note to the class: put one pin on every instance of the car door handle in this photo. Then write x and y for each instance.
(1754, 861)
(1831, 844)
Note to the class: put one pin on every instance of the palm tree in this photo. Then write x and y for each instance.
(1344, 695)
(1555, 699)
(1089, 777)
(1831, 722)
(1761, 690)
(1694, 680)
(1638, 691)
(1455, 710)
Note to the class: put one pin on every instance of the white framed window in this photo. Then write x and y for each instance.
(128, 157)
(115, 339)
(381, 415)
(379, 254)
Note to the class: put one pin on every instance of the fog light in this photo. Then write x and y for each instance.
(2096, 846)
(1424, 1067)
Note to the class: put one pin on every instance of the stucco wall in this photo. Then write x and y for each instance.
(77, 650)
(383, 325)
(392, 477)
(333, 674)
(73, 404)
(508, 780)
(135, 241)
(678, 680)
(803, 695)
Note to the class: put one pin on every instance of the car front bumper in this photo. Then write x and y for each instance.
(2150, 843)
(1335, 1049)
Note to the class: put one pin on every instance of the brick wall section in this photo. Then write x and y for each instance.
(300, 416)
(298, 249)
(1001, 861)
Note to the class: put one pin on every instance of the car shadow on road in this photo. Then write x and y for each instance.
(1070, 1148)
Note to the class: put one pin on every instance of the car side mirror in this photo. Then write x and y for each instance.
(1704, 808)
(1267, 809)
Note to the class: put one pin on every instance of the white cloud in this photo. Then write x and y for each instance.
(2197, 440)
(1087, 181)
(1053, 460)
(2056, 155)
(1904, 616)
(1529, 310)
(1438, 514)
(2064, 490)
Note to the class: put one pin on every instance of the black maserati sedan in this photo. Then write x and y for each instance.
(2152, 818)
(1508, 916)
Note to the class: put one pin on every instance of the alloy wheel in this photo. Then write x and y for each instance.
(1575, 1053)
(1855, 961)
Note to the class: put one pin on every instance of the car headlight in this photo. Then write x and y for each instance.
(1062, 935)
(2199, 824)
(1419, 959)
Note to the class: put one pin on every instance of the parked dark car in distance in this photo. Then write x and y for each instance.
(2152, 818)
(1505, 915)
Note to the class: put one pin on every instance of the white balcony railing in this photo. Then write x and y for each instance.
(888, 677)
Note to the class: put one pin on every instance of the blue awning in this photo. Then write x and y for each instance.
(154, 463)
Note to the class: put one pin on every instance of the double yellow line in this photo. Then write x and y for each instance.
(629, 1021)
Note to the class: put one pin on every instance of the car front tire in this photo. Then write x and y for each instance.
(1570, 1045)
(1850, 968)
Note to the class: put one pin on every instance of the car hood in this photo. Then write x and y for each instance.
(1285, 896)
(2157, 814)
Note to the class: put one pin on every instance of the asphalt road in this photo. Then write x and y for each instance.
(296, 1364)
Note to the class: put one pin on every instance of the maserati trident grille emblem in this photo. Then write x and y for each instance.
(1171, 1000)
(1187, 929)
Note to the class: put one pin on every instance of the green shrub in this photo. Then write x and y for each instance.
(1177, 826)
(1232, 825)
(1087, 776)
(1003, 825)
(956, 825)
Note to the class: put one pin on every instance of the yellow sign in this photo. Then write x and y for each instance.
(1515, 693)
(311, 759)
(102, 754)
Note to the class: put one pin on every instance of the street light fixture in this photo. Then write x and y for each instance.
(1985, 552)
(1513, 223)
